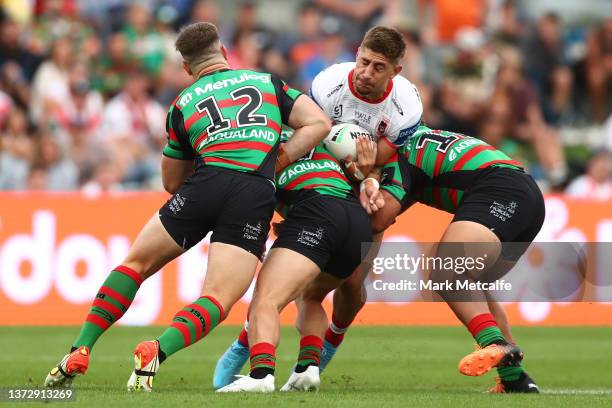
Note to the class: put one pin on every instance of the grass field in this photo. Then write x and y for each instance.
(377, 366)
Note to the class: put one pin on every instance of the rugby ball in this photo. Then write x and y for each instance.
(341, 140)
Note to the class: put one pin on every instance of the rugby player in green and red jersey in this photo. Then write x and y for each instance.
(228, 122)
(323, 230)
(493, 201)
(370, 94)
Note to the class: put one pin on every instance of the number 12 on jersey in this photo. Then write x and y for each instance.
(244, 117)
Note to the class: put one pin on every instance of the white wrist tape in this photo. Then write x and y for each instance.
(363, 183)
(358, 174)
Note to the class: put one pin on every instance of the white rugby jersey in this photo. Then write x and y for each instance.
(395, 116)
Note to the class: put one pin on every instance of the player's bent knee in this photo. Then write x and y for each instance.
(266, 304)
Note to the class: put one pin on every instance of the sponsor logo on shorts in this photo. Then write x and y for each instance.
(177, 203)
(252, 232)
(310, 238)
(503, 211)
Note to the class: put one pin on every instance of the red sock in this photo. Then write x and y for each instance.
(480, 322)
(263, 356)
(335, 332)
(243, 338)
(310, 351)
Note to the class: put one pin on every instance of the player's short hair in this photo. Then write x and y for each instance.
(198, 42)
(386, 41)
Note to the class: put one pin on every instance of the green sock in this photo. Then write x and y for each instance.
(112, 301)
(489, 335)
(190, 324)
(510, 373)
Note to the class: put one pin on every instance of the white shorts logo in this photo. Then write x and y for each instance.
(502, 211)
(310, 238)
(252, 232)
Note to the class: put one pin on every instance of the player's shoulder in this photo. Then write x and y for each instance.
(183, 98)
(406, 95)
(334, 75)
(405, 108)
(407, 102)
(329, 83)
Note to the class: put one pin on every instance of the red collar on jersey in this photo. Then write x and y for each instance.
(356, 95)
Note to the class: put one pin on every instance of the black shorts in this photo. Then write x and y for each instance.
(237, 207)
(509, 203)
(329, 231)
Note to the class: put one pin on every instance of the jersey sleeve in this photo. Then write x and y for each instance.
(412, 111)
(286, 97)
(325, 88)
(391, 179)
(177, 144)
(316, 90)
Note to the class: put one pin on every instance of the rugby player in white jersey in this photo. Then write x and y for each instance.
(370, 93)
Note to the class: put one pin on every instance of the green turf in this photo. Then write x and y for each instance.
(377, 366)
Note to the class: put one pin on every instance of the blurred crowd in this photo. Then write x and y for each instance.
(85, 84)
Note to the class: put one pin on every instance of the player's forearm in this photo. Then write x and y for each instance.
(310, 125)
(174, 172)
(305, 139)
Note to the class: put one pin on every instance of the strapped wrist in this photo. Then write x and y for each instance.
(282, 160)
(358, 174)
(363, 183)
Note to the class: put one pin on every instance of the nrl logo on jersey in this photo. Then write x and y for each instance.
(337, 112)
(334, 90)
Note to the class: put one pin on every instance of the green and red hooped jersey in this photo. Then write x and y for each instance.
(318, 171)
(435, 167)
(231, 119)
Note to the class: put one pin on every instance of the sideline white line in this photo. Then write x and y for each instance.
(569, 391)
